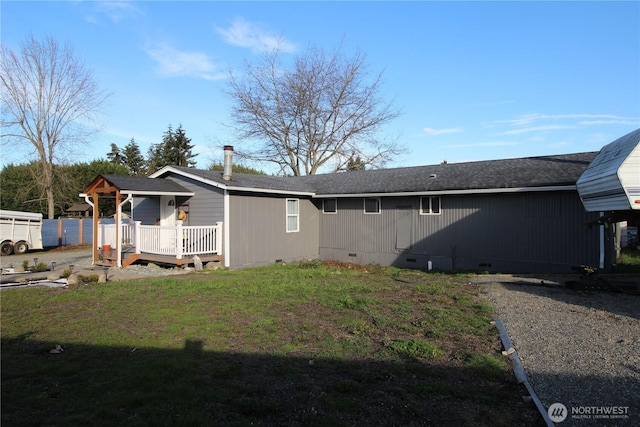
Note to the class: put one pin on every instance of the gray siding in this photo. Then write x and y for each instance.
(206, 207)
(257, 227)
(146, 209)
(521, 232)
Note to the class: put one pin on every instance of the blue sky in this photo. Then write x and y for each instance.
(474, 80)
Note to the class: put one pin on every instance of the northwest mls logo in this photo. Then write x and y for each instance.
(557, 412)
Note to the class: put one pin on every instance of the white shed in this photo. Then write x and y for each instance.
(612, 180)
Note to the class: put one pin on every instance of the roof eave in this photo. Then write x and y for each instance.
(229, 187)
(157, 193)
(451, 192)
(198, 178)
(271, 191)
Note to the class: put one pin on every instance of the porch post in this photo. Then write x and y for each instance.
(118, 229)
(96, 224)
(179, 240)
(136, 236)
(219, 237)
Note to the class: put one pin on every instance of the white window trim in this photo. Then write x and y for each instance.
(288, 215)
(330, 213)
(430, 210)
(364, 206)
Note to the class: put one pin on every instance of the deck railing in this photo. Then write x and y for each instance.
(178, 240)
(107, 234)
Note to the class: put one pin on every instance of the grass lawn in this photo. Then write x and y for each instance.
(629, 261)
(302, 344)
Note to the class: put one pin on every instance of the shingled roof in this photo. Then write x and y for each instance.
(545, 171)
(518, 173)
(141, 185)
(248, 182)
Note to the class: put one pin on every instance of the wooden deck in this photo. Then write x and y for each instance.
(172, 245)
(129, 258)
(168, 259)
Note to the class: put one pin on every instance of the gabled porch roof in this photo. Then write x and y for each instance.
(107, 185)
(135, 185)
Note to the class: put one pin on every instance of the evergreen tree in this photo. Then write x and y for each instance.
(19, 190)
(175, 149)
(181, 154)
(115, 156)
(155, 158)
(133, 159)
(167, 147)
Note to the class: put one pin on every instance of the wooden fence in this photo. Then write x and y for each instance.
(68, 231)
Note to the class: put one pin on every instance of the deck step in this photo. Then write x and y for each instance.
(102, 264)
(130, 259)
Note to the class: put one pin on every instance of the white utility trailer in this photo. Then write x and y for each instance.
(20, 231)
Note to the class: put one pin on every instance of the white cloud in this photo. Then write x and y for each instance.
(538, 123)
(528, 119)
(172, 62)
(249, 35)
(619, 121)
(543, 128)
(433, 132)
(117, 10)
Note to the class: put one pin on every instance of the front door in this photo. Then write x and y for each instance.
(167, 210)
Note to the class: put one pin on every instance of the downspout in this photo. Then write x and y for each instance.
(86, 199)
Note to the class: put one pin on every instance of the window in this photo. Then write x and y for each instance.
(430, 205)
(293, 217)
(330, 206)
(372, 206)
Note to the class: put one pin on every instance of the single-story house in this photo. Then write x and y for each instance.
(511, 215)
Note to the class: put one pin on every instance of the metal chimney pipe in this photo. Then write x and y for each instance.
(228, 162)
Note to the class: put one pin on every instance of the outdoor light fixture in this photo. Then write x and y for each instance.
(172, 202)
(53, 266)
(35, 261)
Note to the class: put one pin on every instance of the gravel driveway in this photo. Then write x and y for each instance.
(578, 348)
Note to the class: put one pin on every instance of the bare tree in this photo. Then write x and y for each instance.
(50, 100)
(323, 111)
